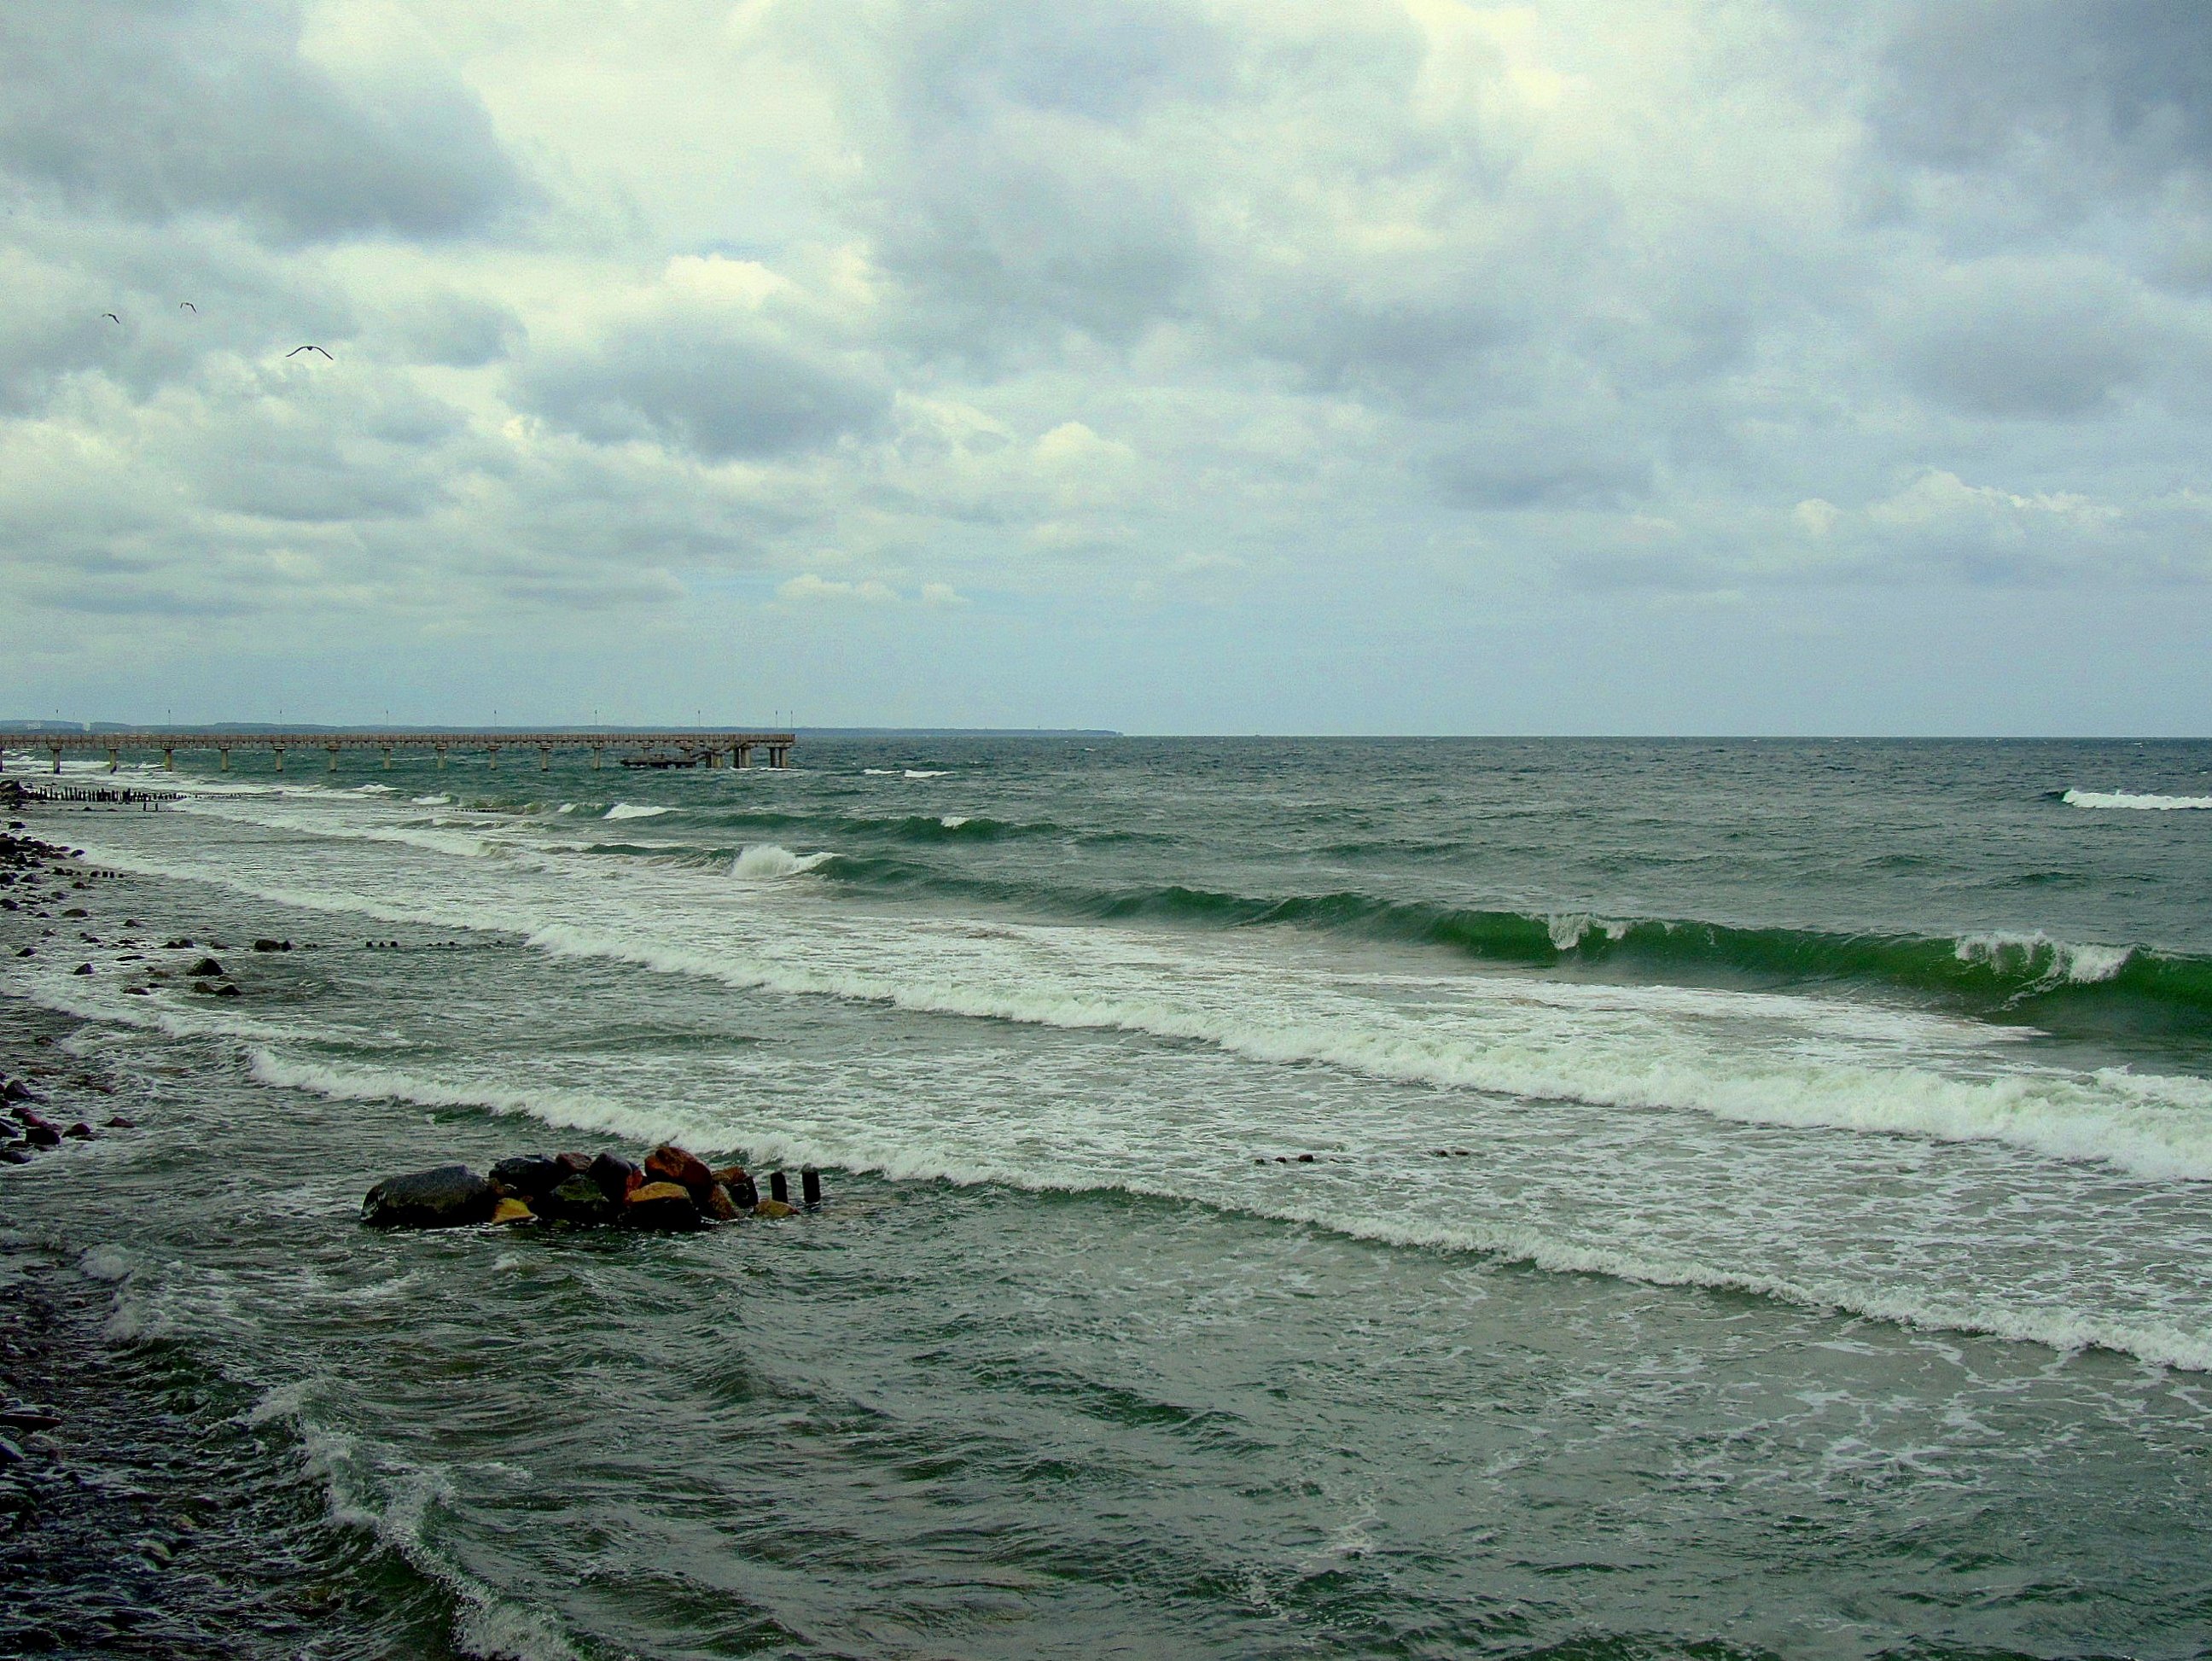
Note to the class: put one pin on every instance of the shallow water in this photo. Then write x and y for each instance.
(1825, 1270)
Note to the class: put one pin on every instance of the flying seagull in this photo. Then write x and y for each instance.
(111, 317)
(296, 350)
(187, 306)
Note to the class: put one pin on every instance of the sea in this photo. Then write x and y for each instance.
(1283, 1197)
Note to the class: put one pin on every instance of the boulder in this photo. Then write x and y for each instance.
(16, 1154)
(719, 1206)
(579, 1163)
(266, 944)
(617, 1177)
(662, 1207)
(208, 968)
(671, 1164)
(512, 1211)
(118, 1122)
(81, 1132)
(742, 1194)
(579, 1199)
(16, 1091)
(774, 1208)
(42, 1135)
(82, 969)
(448, 1197)
(529, 1175)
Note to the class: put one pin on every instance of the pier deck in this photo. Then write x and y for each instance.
(671, 749)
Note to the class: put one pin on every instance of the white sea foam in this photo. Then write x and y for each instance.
(912, 1155)
(623, 810)
(923, 773)
(1513, 1045)
(572, 1110)
(433, 801)
(952, 821)
(2052, 961)
(1517, 1049)
(765, 861)
(2140, 803)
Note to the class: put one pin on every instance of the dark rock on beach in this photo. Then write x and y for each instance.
(617, 1177)
(578, 1200)
(664, 1208)
(447, 1197)
(671, 1164)
(529, 1175)
(207, 969)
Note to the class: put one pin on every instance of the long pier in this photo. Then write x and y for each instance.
(676, 749)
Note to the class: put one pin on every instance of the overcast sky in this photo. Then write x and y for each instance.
(1420, 367)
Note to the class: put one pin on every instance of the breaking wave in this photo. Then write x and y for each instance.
(910, 1157)
(623, 810)
(767, 862)
(2129, 799)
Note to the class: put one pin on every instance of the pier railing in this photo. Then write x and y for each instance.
(675, 749)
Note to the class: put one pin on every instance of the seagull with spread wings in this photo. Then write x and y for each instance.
(296, 350)
(111, 317)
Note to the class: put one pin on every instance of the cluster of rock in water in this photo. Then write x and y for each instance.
(25, 1132)
(673, 1191)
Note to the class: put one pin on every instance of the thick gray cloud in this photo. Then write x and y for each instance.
(2061, 84)
(718, 385)
(1051, 334)
(207, 106)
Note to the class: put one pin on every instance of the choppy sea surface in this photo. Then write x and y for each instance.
(1760, 1198)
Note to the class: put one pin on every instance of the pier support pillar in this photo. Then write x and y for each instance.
(223, 761)
(168, 761)
(442, 758)
(742, 755)
(713, 758)
(779, 1187)
(333, 749)
(56, 749)
(492, 754)
(388, 759)
(114, 758)
(544, 758)
(279, 749)
(598, 758)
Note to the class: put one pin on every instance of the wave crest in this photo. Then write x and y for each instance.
(2140, 803)
(766, 861)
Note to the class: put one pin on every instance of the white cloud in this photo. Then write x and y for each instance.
(809, 589)
(1274, 315)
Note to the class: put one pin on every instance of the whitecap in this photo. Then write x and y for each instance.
(766, 861)
(433, 801)
(952, 821)
(923, 773)
(623, 810)
(2050, 961)
(2140, 803)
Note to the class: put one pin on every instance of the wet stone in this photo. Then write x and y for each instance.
(447, 1196)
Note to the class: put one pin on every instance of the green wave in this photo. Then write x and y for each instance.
(2020, 976)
